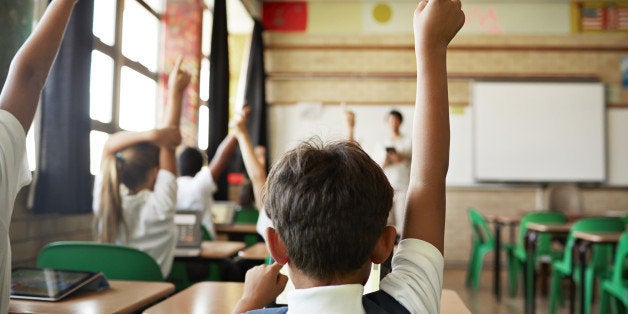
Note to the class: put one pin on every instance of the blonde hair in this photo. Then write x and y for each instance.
(130, 167)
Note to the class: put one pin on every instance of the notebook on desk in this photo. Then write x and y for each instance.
(223, 212)
(189, 235)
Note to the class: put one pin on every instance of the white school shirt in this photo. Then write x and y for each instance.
(416, 281)
(14, 174)
(398, 174)
(197, 193)
(149, 219)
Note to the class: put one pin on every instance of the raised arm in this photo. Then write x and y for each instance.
(223, 155)
(435, 24)
(177, 82)
(255, 168)
(350, 121)
(30, 66)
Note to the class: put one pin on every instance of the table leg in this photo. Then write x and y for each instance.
(497, 262)
(529, 286)
(582, 252)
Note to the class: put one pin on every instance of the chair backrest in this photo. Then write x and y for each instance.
(543, 241)
(591, 224)
(479, 227)
(114, 261)
(620, 266)
(246, 215)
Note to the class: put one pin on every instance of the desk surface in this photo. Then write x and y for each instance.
(257, 251)
(221, 297)
(122, 297)
(237, 228)
(220, 249)
(598, 237)
(549, 227)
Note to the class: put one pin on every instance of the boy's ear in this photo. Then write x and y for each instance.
(276, 246)
(384, 245)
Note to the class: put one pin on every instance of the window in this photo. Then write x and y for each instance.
(203, 109)
(125, 60)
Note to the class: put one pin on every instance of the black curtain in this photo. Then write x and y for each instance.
(219, 90)
(255, 92)
(63, 181)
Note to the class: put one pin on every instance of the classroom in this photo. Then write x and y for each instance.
(538, 118)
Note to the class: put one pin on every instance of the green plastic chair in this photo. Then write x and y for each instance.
(247, 215)
(597, 266)
(206, 235)
(543, 247)
(114, 261)
(482, 243)
(616, 287)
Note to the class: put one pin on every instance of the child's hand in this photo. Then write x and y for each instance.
(262, 285)
(168, 137)
(349, 115)
(238, 123)
(436, 22)
(178, 78)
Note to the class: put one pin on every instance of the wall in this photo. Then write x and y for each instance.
(362, 66)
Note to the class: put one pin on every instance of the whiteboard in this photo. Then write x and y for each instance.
(290, 124)
(539, 131)
(618, 146)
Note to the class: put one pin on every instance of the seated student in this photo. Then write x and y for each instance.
(196, 182)
(18, 103)
(329, 206)
(135, 192)
(255, 163)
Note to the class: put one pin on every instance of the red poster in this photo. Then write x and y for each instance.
(285, 16)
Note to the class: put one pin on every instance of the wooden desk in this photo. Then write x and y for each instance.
(122, 297)
(220, 249)
(532, 232)
(498, 222)
(221, 297)
(585, 240)
(237, 228)
(258, 251)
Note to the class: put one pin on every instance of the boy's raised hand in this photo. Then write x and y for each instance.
(178, 78)
(238, 123)
(168, 137)
(436, 22)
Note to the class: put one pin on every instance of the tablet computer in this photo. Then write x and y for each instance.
(52, 285)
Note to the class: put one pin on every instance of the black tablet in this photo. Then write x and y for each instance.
(52, 285)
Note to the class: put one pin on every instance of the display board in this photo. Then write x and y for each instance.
(617, 146)
(539, 132)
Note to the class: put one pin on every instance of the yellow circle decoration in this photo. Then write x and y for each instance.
(382, 12)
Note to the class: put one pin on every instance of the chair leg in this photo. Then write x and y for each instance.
(477, 272)
(470, 268)
(513, 272)
(588, 289)
(555, 290)
(604, 301)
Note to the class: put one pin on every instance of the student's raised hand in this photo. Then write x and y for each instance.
(178, 78)
(238, 123)
(349, 116)
(262, 285)
(168, 137)
(436, 22)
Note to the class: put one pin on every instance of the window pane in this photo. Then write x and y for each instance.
(157, 5)
(140, 35)
(203, 127)
(105, 21)
(208, 19)
(138, 99)
(239, 20)
(30, 148)
(101, 87)
(97, 141)
(204, 80)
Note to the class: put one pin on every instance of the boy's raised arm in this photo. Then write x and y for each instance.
(255, 169)
(30, 66)
(435, 23)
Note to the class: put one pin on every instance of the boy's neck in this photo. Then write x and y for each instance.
(302, 281)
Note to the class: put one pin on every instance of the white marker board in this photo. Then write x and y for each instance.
(539, 132)
(617, 146)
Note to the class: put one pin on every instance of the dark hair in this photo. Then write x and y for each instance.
(329, 204)
(397, 114)
(190, 161)
(130, 167)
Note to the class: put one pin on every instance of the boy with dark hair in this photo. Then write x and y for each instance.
(329, 206)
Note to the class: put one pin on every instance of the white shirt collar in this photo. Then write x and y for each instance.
(327, 299)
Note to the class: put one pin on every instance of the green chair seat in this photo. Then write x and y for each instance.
(114, 261)
(616, 287)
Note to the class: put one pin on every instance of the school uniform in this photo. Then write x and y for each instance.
(413, 286)
(197, 193)
(14, 174)
(398, 175)
(148, 219)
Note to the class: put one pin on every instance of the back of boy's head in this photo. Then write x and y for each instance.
(135, 162)
(329, 204)
(190, 161)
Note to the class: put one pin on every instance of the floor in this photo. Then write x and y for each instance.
(483, 301)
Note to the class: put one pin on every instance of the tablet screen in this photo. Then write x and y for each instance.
(47, 284)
